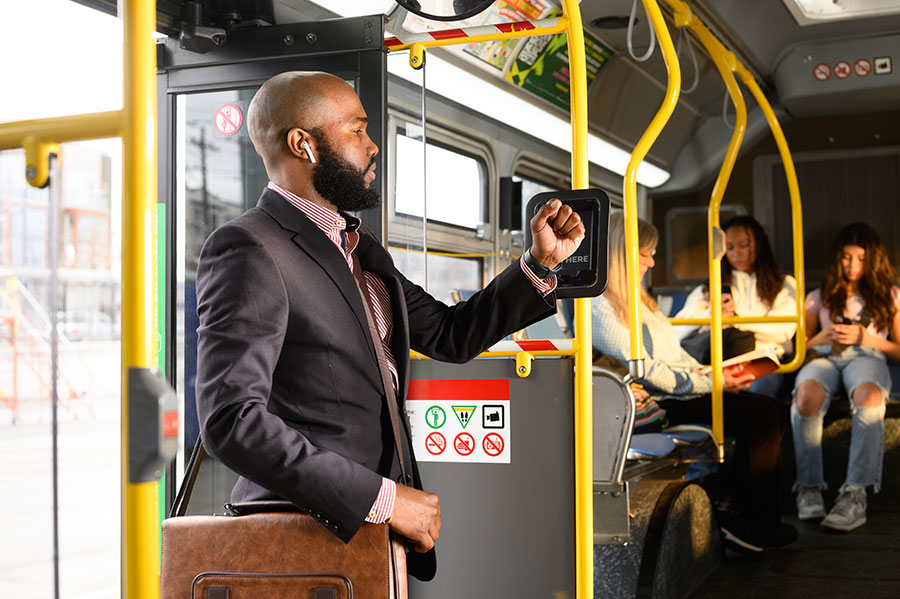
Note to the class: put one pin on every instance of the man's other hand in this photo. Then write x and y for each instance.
(417, 516)
(556, 231)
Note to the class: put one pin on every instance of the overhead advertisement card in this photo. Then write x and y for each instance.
(542, 65)
(498, 53)
(460, 420)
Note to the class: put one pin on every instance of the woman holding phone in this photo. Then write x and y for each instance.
(853, 325)
(753, 285)
(746, 491)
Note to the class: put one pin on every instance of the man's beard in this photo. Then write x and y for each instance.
(341, 183)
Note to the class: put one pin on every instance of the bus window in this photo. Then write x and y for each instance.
(452, 217)
(445, 273)
(686, 242)
(462, 204)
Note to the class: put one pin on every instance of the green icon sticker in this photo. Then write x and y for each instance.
(435, 416)
(464, 414)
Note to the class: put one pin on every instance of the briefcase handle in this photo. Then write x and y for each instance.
(179, 506)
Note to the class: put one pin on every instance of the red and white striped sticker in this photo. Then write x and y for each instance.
(443, 34)
(531, 345)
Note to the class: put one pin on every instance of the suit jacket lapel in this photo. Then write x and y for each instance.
(311, 240)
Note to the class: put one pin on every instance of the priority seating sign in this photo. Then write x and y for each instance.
(460, 420)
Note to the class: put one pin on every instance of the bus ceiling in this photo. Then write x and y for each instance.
(808, 65)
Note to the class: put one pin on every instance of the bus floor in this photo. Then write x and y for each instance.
(824, 564)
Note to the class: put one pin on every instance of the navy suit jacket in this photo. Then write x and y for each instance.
(289, 394)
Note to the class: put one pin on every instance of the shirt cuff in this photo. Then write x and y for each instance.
(543, 286)
(383, 508)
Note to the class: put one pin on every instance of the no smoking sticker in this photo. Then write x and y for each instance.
(862, 67)
(435, 443)
(822, 72)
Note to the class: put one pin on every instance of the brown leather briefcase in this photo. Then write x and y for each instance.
(271, 556)
(269, 550)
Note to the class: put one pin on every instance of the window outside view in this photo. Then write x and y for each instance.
(88, 312)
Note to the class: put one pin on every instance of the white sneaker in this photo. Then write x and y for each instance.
(849, 510)
(810, 505)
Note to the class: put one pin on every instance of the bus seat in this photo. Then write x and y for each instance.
(894, 368)
(650, 445)
(551, 327)
(689, 434)
(613, 415)
(678, 300)
(461, 295)
(567, 308)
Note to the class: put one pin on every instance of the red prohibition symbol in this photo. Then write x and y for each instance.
(822, 71)
(228, 119)
(435, 443)
(464, 444)
(862, 67)
(842, 69)
(492, 444)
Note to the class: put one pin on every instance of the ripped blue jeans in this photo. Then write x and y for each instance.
(852, 367)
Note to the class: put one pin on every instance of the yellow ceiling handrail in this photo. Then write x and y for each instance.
(718, 52)
(629, 194)
(724, 62)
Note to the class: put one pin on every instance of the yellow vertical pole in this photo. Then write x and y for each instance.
(584, 512)
(140, 541)
(629, 191)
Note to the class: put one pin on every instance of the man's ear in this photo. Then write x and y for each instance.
(301, 144)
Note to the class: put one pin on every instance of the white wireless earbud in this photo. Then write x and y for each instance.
(305, 146)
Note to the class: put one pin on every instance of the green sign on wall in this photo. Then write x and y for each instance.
(542, 66)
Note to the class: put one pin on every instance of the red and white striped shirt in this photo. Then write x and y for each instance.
(334, 225)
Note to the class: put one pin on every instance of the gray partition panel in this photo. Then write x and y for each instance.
(508, 530)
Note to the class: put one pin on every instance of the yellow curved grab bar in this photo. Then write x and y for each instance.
(629, 192)
(796, 214)
(724, 61)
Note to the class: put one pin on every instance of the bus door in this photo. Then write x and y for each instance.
(209, 172)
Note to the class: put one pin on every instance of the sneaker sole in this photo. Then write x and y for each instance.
(812, 516)
(843, 527)
(740, 545)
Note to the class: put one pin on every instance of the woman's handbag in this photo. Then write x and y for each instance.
(270, 549)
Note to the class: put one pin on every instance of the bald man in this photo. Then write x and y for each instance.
(289, 391)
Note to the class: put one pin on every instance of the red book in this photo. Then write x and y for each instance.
(759, 362)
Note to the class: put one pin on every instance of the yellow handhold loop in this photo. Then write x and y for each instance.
(37, 160)
(682, 15)
(523, 363)
(417, 56)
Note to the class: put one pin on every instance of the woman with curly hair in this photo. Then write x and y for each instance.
(757, 287)
(848, 322)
